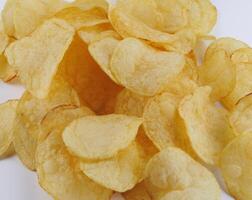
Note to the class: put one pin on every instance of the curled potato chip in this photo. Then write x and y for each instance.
(218, 72)
(139, 192)
(102, 51)
(100, 137)
(22, 17)
(243, 84)
(159, 119)
(235, 165)
(206, 126)
(79, 18)
(43, 52)
(143, 69)
(241, 116)
(119, 173)
(30, 111)
(172, 174)
(229, 45)
(129, 103)
(90, 4)
(58, 172)
(7, 120)
(98, 32)
(93, 86)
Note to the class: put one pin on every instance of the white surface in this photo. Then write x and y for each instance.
(17, 183)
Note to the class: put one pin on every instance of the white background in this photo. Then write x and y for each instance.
(18, 183)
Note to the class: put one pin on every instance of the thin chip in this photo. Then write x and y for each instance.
(43, 51)
(235, 165)
(59, 173)
(144, 69)
(205, 126)
(30, 111)
(101, 137)
(7, 120)
(172, 174)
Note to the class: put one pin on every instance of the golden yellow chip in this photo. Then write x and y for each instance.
(235, 165)
(243, 84)
(93, 86)
(59, 173)
(159, 119)
(101, 137)
(102, 51)
(218, 72)
(139, 192)
(7, 121)
(229, 45)
(129, 103)
(98, 32)
(22, 17)
(172, 174)
(30, 111)
(204, 125)
(143, 69)
(90, 4)
(79, 18)
(120, 173)
(241, 116)
(43, 51)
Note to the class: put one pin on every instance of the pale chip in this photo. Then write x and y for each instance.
(144, 69)
(235, 165)
(204, 125)
(7, 121)
(100, 137)
(172, 174)
(59, 173)
(43, 51)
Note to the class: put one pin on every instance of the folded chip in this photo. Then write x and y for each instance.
(100, 137)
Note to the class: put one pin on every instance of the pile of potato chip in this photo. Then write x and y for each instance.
(116, 99)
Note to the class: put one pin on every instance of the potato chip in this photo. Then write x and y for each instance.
(229, 45)
(139, 192)
(83, 18)
(43, 52)
(100, 137)
(22, 17)
(30, 111)
(235, 165)
(243, 84)
(143, 69)
(95, 33)
(218, 72)
(50, 122)
(93, 86)
(172, 174)
(7, 119)
(102, 52)
(59, 173)
(90, 4)
(120, 173)
(159, 115)
(241, 116)
(207, 128)
(129, 103)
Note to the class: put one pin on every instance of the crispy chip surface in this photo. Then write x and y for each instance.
(30, 111)
(143, 69)
(172, 174)
(7, 121)
(43, 52)
(59, 173)
(235, 165)
(101, 137)
(206, 126)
